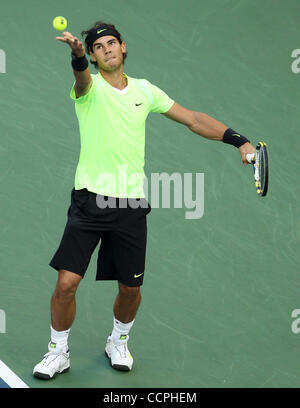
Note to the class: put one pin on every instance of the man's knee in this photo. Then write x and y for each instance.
(129, 291)
(67, 284)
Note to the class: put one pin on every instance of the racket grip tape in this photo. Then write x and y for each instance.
(250, 157)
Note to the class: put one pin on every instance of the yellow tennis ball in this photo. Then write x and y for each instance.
(60, 23)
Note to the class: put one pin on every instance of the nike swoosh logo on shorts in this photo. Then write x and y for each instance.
(137, 276)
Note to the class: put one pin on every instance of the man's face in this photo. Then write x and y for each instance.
(108, 53)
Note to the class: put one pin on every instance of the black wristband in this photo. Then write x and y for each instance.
(79, 63)
(232, 137)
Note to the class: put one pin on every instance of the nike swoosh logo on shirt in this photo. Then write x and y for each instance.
(137, 276)
(138, 104)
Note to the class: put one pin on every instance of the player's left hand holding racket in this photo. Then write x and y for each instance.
(260, 162)
(246, 149)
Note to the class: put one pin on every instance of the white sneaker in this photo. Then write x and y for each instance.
(56, 361)
(119, 355)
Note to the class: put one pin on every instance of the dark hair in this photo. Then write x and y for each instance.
(87, 46)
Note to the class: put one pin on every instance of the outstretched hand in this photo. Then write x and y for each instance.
(244, 150)
(76, 46)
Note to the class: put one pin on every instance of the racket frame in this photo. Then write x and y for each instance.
(261, 148)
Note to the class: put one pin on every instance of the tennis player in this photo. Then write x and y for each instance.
(111, 108)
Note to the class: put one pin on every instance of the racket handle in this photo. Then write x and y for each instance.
(250, 158)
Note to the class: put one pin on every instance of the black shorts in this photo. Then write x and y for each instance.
(123, 234)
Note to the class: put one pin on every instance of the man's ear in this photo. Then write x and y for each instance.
(92, 56)
(123, 47)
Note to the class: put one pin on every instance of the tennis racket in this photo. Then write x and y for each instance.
(260, 163)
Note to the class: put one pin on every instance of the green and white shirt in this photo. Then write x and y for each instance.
(112, 135)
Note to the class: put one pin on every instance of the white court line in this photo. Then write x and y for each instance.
(10, 377)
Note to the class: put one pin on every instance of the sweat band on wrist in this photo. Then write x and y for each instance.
(232, 137)
(79, 63)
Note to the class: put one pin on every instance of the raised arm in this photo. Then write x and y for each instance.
(83, 78)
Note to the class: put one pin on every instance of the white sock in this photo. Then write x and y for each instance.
(121, 331)
(60, 338)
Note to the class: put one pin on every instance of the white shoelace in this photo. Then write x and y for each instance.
(49, 354)
(122, 349)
